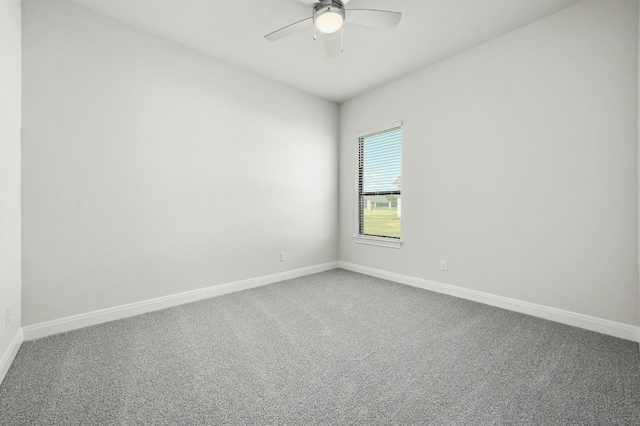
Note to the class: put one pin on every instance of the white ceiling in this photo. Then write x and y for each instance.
(233, 31)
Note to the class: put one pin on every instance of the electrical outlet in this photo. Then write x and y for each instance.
(8, 318)
(283, 256)
(444, 266)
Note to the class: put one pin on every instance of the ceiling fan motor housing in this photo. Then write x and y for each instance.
(328, 15)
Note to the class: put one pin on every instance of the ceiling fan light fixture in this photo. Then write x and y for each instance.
(329, 16)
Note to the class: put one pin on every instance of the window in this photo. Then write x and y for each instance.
(379, 187)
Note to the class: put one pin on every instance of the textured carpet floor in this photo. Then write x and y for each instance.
(331, 348)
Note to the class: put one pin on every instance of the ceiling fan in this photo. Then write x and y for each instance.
(327, 18)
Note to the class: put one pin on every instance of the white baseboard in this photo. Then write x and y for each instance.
(611, 328)
(10, 354)
(62, 325)
(74, 322)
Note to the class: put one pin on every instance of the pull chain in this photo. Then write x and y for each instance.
(314, 26)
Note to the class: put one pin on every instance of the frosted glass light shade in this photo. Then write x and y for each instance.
(329, 22)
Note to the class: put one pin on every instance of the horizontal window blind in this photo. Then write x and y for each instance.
(379, 182)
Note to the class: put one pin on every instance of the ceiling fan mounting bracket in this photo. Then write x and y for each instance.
(329, 4)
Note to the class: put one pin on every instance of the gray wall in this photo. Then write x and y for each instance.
(147, 166)
(10, 76)
(519, 165)
(150, 169)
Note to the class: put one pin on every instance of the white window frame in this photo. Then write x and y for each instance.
(358, 238)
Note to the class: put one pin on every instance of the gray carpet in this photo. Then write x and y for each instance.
(331, 348)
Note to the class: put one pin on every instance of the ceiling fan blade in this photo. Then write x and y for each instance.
(289, 29)
(333, 43)
(373, 18)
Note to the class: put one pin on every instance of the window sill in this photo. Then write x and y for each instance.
(378, 241)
